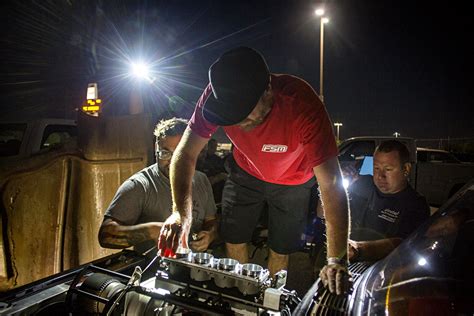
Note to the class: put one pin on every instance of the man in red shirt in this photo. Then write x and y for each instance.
(282, 138)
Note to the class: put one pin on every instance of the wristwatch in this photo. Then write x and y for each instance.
(336, 260)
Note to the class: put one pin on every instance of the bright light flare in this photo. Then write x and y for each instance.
(319, 12)
(345, 183)
(140, 70)
(422, 261)
(325, 20)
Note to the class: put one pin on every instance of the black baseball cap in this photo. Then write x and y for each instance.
(238, 79)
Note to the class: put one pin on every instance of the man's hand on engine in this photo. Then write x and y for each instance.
(174, 233)
(335, 276)
(202, 242)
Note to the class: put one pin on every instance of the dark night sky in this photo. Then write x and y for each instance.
(389, 65)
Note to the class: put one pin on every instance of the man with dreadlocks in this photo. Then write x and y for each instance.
(143, 202)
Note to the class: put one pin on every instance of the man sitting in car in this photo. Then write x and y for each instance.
(385, 209)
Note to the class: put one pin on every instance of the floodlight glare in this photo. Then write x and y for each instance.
(422, 261)
(140, 70)
(319, 12)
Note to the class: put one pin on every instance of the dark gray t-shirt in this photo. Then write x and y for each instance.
(375, 215)
(146, 197)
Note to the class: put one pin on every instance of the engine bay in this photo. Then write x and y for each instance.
(193, 284)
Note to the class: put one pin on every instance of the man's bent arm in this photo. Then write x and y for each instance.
(335, 205)
(376, 249)
(117, 236)
(206, 236)
(211, 225)
(182, 169)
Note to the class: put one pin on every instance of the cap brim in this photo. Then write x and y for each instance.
(212, 107)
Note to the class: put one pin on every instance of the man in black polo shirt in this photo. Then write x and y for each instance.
(384, 208)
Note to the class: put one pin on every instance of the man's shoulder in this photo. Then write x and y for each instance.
(285, 79)
(150, 170)
(299, 103)
(415, 197)
(146, 175)
(200, 176)
(291, 85)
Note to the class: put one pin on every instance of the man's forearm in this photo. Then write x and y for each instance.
(335, 206)
(182, 168)
(336, 213)
(181, 174)
(121, 236)
(376, 249)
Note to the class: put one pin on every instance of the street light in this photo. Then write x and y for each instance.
(337, 124)
(323, 20)
(396, 134)
(140, 70)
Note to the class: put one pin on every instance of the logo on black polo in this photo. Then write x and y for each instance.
(389, 215)
(268, 148)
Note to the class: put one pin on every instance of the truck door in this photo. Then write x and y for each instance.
(436, 174)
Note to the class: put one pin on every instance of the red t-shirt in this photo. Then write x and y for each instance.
(296, 135)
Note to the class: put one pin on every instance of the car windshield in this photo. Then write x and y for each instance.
(434, 263)
(11, 136)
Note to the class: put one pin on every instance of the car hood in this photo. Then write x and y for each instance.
(431, 272)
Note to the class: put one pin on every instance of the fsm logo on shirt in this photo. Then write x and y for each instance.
(268, 148)
(389, 215)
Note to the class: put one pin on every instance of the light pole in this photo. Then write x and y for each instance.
(337, 124)
(396, 134)
(323, 20)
